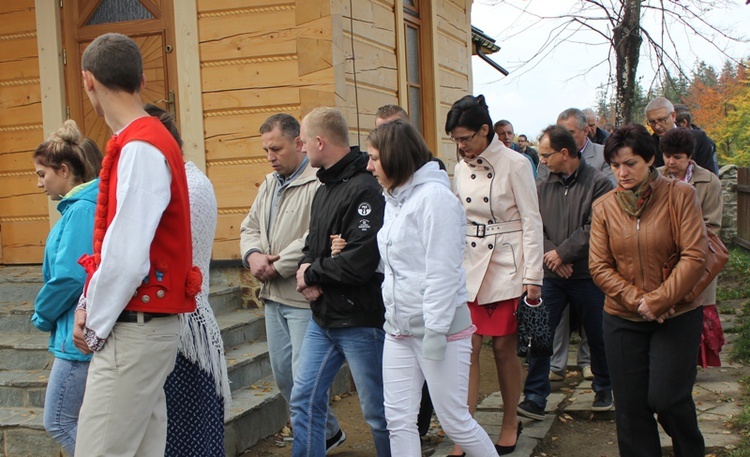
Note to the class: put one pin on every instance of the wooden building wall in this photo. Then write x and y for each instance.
(24, 215)
(453, 36)
(374, 54)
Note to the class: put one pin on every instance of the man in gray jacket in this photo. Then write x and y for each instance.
(574, 121)
(271, 240)
(565, 199)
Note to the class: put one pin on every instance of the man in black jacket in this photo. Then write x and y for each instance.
(344, 291)
(661, 117)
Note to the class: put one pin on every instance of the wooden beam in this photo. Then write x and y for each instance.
(51, 74)
(189, 82)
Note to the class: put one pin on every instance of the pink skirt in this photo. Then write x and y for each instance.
(495, 319)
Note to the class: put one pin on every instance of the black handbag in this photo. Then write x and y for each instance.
(535, 336)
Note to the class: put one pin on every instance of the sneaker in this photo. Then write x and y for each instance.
(528, 408)
(587, 373)
(554, 377)
(335, 441)
(603, 401)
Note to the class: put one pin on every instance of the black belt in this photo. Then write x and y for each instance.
(132, 316)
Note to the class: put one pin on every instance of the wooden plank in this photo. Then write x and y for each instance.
(19, 95)
(233, 147)
(226, 5)
(238, 182)
(17, 5)
(18, 49)
(23, 242)
(19, 69)
(246, 98)
(19, 197)
(255, 24)
(242, 124)
(17, 162)
(311, 10)
(20, 141)
(227, 249)
(262, 75)
(22, 115)
(17, 21)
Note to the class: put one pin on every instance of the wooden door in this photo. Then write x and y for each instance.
(150, 23)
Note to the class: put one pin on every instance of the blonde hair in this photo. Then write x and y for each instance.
(329, 123)
(66, 145)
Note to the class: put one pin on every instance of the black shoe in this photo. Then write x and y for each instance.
(603, 401)
(335, 441)
(528, 408)
(505, 450)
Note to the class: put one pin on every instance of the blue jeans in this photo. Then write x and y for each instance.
(285, 330)
(67, 382)
(589, 303)
(322, 355)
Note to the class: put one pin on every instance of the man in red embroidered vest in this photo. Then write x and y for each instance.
(140, 276)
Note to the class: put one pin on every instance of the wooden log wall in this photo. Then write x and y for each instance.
(375, 57)
(454, 65)
(258, 58)
(24, 215)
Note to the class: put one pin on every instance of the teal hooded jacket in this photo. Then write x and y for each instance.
(70, 238)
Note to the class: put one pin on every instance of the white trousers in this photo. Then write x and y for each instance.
(124, 411)
(404, 372)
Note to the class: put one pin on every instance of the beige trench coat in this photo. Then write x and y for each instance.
(495, 187)
(708, 188)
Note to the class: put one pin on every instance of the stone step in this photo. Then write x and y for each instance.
(17, 304)
(24, 351)
(257, 411)
(241, 325)
(23, 388)
(247, 363)
(28, 351)
(22, 434)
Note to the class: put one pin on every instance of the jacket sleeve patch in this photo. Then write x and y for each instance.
(364, 209)
(364, 224)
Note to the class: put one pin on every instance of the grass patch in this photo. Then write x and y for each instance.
(733, 279)
(742, 424)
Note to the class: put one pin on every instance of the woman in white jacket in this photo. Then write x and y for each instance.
(428, 325)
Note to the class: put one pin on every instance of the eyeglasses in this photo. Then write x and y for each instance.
(547, 156)
(662, 121)
(464, 139)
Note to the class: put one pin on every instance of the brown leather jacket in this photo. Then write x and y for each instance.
(626, 254)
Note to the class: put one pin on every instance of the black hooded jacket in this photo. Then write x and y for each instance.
(348, 203)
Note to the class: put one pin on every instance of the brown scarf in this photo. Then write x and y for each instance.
(633, 202)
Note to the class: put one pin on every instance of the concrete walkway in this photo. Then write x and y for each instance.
(717, 393)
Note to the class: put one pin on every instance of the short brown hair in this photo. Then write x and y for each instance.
(386, 111)
(328, 122)
(115, 61)
(678, 140)
(402, 151)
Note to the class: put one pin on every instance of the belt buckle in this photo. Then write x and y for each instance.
(481, 228)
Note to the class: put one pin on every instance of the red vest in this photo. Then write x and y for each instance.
(172, 281)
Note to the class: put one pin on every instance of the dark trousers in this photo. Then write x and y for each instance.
(588, 302)
(652, 367)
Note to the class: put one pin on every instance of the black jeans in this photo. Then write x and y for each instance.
(652, 367)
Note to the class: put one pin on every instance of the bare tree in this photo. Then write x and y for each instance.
(664, 26)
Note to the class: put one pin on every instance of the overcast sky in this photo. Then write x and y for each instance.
(531, 98)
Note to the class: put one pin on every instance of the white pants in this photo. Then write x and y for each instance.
(124, 411)
(404, 372)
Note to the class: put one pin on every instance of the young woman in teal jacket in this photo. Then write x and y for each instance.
(67, 167)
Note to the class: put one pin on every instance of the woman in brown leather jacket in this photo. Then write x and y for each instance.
(650, 335)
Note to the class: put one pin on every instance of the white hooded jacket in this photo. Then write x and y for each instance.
(422, 250)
